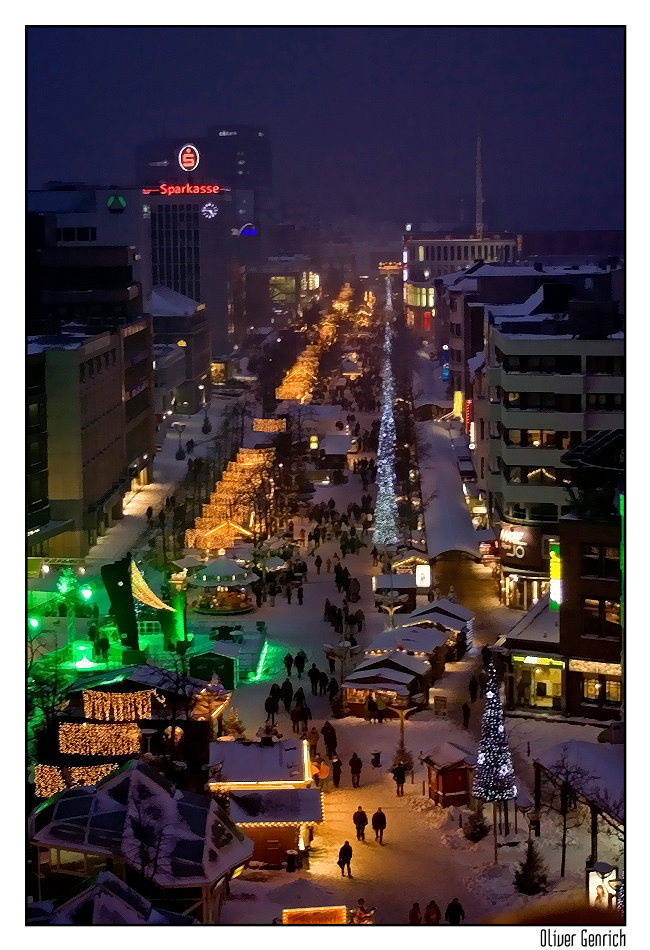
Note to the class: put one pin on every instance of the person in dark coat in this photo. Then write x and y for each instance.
(276, 692)
(332, 689)
(288, 662)
(399, 774)
(318, 561)
(454, 913)
(287, 694)
(360, 820)
(305, 715)
(288, 593)
(326, 609)
(328, 733)
(379, 825)
(271, 707)
(299, 662)
(432, 913)
(355, 764)
(415, 914)
(300, 594)
(466, 711)
(295, 719)
(345, 856)
(473, 688)
(299, 696)
(337, 765)
(323, 680)
(313, 675)
(331, 659)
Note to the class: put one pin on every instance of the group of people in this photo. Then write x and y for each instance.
(378, 823)
(453, 914)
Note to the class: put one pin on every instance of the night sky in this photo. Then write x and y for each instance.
(376, 121)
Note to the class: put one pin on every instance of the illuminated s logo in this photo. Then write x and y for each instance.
(188, 158)
(209, 210)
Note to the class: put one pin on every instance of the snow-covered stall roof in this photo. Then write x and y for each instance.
(603, 781)
(104, 900)
(244, 761)
(397, 660)
(282, 804)
(447, 518)
(441, 608)
(538, 625)
(191, 841)
(448, 754)
(145, 676)
(417, 639)
(333, 444)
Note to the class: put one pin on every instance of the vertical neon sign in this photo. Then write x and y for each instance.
(555, 566)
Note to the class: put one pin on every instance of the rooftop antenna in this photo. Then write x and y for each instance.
(479, 190)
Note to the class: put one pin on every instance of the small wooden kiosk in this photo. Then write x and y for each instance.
(451, 770)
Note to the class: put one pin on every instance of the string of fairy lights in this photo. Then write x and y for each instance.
(119, 707)
(232, 501)
(386, 513)
(107, 739)
(49, 779)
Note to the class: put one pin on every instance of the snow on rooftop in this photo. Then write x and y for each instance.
(165, 302)
(449, 753)
(333, 444)
(540, 624)
(284, 804)
(446, 516)
(244, 761)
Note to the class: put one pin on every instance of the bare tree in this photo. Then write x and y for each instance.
(566, 779)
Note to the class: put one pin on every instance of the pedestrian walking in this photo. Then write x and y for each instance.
(355, 764)
(287, 694)
(295, 719)
(271, 707)
(313, 675)
(454, 913)
(299, 662)
(371, 707)
(312, 739)
(288, 662)
(473, 688)
(379, 825)
(288, 592)
(318, 562)
(328, 564)
(328, 733)
(331, 659)
(276, 692)
(466, 711)
(415, 914)
(345, 856)
(323, 681)
(332, 688)
(360, 820)
(399, 775)
(305, 715)
(272, 594)
(381, 709)
(299, 697)
(300, 594)
(337, 765)
(482, 683)
(432, 913)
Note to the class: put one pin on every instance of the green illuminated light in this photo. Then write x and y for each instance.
(260, 665)
(33, 622)
(86, 593)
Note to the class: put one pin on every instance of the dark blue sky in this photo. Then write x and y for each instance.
(379, 119)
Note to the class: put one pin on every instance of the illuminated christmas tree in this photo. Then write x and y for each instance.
(385, 531)
(494, 776)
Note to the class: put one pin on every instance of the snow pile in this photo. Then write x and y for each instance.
(432, 815)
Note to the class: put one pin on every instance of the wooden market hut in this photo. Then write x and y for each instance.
(450, 770)
(276, 820)
(400, 680)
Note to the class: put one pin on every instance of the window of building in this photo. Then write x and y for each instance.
(514, 474)
(613, 691)
(601, 618)
(420, 253)
(591, 689)
(69, 234)
(512, 400)
(410, 318)
(445, 251)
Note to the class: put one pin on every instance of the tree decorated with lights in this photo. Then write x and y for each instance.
(385, 532)
(494, 776)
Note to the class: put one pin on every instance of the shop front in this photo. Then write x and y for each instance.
(524, 557)
(538, 682)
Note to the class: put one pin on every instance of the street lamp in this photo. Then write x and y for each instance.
(180, 428)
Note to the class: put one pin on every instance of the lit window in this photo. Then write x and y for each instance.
(612, 691)
(420, 253)
(591, 689)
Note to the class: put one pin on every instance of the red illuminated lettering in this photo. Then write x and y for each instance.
(187, 189)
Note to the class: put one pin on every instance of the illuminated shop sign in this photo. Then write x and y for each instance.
(555, 573)
(186, 189)
(422, 575)
(538, 661)
(468, 414)
(188, 158)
